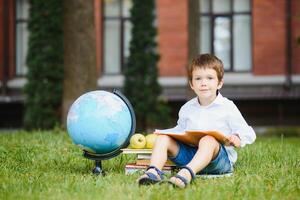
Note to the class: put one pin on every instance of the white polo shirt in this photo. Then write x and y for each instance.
(221, 115)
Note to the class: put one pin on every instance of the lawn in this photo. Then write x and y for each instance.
(46, 165)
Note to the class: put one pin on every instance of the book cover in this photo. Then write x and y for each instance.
(143, 156)
(136, 151)
(134, 165)
(192, 136)
(147, 162)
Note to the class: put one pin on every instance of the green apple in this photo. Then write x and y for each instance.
(150, 141)
(138, 141)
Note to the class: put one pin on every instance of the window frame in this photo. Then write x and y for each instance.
(212, 18)
(16, 22)
(122, 21)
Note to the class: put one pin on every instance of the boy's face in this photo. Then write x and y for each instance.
(205, 84)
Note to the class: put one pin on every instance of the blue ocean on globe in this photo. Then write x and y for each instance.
(99, 122)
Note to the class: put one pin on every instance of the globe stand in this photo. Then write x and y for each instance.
(98, 164)
(98, 168)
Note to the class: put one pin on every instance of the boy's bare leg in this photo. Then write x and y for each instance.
(208, 149)
(164, 146)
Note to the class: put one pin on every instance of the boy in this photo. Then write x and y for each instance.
(208, 111)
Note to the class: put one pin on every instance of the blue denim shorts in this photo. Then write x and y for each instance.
(220, 165)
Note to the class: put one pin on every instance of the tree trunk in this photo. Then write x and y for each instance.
(193, 28)
(79, 51)
(193, 35)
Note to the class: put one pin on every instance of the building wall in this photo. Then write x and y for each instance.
(99, 34)
(270, 37)
(7, 39)
(11, 38)
(295, 35)
(1, 38)
(269, 42)
(172, 19)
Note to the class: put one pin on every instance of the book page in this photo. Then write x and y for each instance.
(192, 136)
(169, 130)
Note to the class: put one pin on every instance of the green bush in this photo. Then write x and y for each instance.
(141, 84)
(43, 89)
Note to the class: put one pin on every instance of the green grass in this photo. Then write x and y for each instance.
(46, 165)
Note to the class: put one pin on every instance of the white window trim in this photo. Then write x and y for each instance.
(239, 79)
(229, 79)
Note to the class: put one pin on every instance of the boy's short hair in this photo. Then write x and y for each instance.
(206, 61)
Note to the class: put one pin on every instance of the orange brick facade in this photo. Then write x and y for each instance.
(172, 17)
(296, 36)
(7, 39)
(1, 39)
(269, 37)
(269, 43)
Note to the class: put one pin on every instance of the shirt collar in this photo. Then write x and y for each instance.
(219, 100)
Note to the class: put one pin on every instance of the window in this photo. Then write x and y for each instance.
(225, 30)
(117, 35)
(22, 14)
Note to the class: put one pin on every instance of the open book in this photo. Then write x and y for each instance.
(192, 136)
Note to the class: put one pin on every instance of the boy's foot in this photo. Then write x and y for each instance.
(152, 176)
(183, 178)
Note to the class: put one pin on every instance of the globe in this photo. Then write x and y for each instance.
(101, 122)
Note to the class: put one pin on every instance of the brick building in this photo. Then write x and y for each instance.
(256, 39)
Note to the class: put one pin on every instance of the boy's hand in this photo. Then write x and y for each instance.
(234, 140)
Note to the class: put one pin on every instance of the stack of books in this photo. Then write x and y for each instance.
(143, 157)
